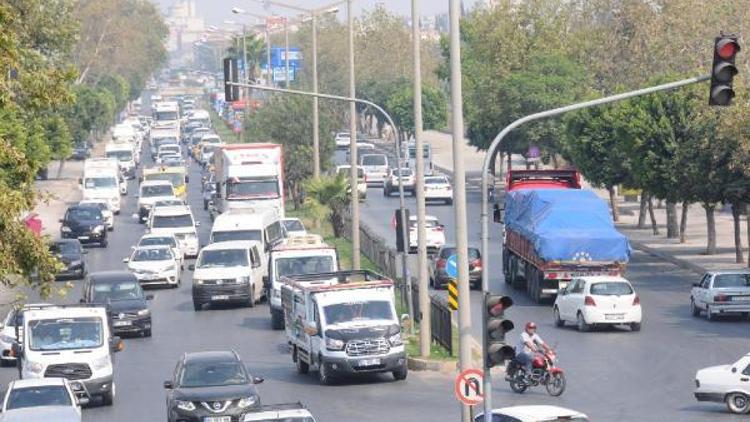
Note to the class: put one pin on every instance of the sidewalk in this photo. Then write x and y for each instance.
(689, 255)
(61, 192)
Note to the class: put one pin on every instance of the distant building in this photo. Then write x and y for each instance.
(185, 28)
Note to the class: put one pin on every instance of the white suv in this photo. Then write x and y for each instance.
(176, 220)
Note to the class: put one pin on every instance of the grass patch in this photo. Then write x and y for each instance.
(226, 134)
(437, 352)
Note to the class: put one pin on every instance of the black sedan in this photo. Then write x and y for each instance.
(211, 386)
(123, 296)
(85, 223)
(70, 253)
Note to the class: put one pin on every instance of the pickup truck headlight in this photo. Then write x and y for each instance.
(98, 229)
(334, 344)
(34, 367)
(247, 402)
(396, 340)
(101, 363)
(243, 280)
(65, 229)
(76, 263)
(143, 312)
(187, 406)
(198, 281)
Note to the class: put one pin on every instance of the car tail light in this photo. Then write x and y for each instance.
(437, 229)
(477, 263)
(441, 263)
(720, 298)
(552, 276)
(589, 301)
(636, 301)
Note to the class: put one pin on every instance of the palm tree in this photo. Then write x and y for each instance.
(255, 48)
(328, 197)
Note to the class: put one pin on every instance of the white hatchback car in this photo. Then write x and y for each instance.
(438, 188)
(435, 233)
(49, 399)
(293, 227)
(534, 414)
(598, 300)
(154, 265)
(726, 383)
(149, 239)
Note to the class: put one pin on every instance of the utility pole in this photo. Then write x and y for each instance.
(425, 328)
(353, 142)
(269, 75)
(246, 74)
(316, 116)
(459, 200)
(286, 52)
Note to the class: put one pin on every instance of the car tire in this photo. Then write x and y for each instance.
(401, 373)
(147, 333)
(558, 321)
(109, 397)
(635, 326)
(694, 309)
(324, 377)
(251, 301)
(581, 323)
(710, 316)
(738, 403)
(197, 306)
(302, 367)
(205, 205)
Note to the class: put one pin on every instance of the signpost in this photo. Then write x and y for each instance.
(451, 268)
(468, 387)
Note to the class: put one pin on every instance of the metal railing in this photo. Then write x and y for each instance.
(440, 319)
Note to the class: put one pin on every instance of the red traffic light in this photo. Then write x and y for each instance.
(497, 304)
(727, 48)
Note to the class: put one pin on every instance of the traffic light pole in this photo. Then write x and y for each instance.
(487, 388)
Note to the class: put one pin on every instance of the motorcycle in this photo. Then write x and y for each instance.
(544, 371)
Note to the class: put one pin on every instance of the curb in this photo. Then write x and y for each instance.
(669, 258)
(419, 364)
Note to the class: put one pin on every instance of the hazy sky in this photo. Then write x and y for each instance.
(216, 11)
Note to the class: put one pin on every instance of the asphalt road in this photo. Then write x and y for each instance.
(146, 362)
(612, 374)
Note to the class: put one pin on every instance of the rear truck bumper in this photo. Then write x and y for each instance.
(364, 364)
(712, 397)
(552, 287)
(729, 308)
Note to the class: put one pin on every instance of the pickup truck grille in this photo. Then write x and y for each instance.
(364, 347)
(71, 371)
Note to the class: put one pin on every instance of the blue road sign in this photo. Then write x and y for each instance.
(451, 266)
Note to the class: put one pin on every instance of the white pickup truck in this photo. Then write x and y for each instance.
(344, 323)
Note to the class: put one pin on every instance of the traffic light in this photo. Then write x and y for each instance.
(401, 243)
(723, 71)
(231, 74)
(496, 351)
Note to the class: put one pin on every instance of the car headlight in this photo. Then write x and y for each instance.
(98, 229)
(396, 340)
(185, 405)
(243, 280)
(334, 344)
(143, 312)
(169, 268)
(65, 229)
(247, 402)
(34, 367)
(198, 281)
(102, 362)
(75, 263)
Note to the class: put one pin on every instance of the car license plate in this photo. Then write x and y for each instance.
(614, 317)
(217, 419)
(83, 238)
(220, 297)
(122, 323)
(741, 298)
(368, 362)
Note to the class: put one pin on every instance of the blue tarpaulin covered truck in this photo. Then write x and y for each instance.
(554, 235)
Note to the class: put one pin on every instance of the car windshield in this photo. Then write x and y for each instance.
(100, 182)
(166, 115)
(66, 248)
(65, 333)
(210, 374)
(87, 213)
(253, 189)
(304, 265)
(168, 203)
(120, 155)
(731, 280)
(152, 254)
(358, 311)
(96, 204)
(157, 190)
(223, 258)
(435, 181)
(293, 225)
(176, 178)
(172, 221)
(228, 236)
(173, 162)
(47, 395)
(124, 290)
(611, 288)
(155, 241)
(374, 160)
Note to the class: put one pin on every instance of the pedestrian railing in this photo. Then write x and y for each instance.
(440, 319)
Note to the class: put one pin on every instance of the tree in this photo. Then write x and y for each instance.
(400, 105)
(328, 196)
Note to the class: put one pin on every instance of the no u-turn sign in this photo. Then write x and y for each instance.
(469, 387)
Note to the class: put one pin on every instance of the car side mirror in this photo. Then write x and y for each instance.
(168, 385)
(191, 267)
(734, 370)
(311, 329)
(258, 380)
(82, 401)
(149, 297)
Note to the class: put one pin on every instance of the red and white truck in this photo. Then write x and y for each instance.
(249, 175)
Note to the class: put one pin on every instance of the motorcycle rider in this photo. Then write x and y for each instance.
(530, 344)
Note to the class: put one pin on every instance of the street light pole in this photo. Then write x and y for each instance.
(425, 328)
(269, 74)
(246, 74)
(353, 176)
(459, 188)
(286, 52)
(316, 116)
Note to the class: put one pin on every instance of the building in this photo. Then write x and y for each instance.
(185, 28)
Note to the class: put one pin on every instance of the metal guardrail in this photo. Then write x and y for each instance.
(440, 319)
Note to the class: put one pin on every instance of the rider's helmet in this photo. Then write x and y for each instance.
(531, 325)
(537, 362)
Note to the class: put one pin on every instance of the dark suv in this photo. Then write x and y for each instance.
(211, 386)
(85, 223)
(123, 296)
(439, 275)
(70, 253)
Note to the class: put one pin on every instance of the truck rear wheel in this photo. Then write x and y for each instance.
(277, 320)
(302, 367)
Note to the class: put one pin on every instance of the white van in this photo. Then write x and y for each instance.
(306, 254)
(125, 156)
(72, 342)
(101, 180)
(200, 116)
(426, 154)
(376, 168)
(228, 272)
(176, 220)
(262, 225)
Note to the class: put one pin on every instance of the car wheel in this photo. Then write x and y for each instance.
(401, 373)
(251, 301)
(694, 309)
(636, 326)
(558, 321)
(277, 321)
(581, 323)
(710, 315)
(324, 377)
(738, 403)
(147, 333)
(104, 243)
(109, 397)
(197, 306)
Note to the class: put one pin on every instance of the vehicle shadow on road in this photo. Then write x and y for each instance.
(706, 412)
(256, 323)
(722, 326)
